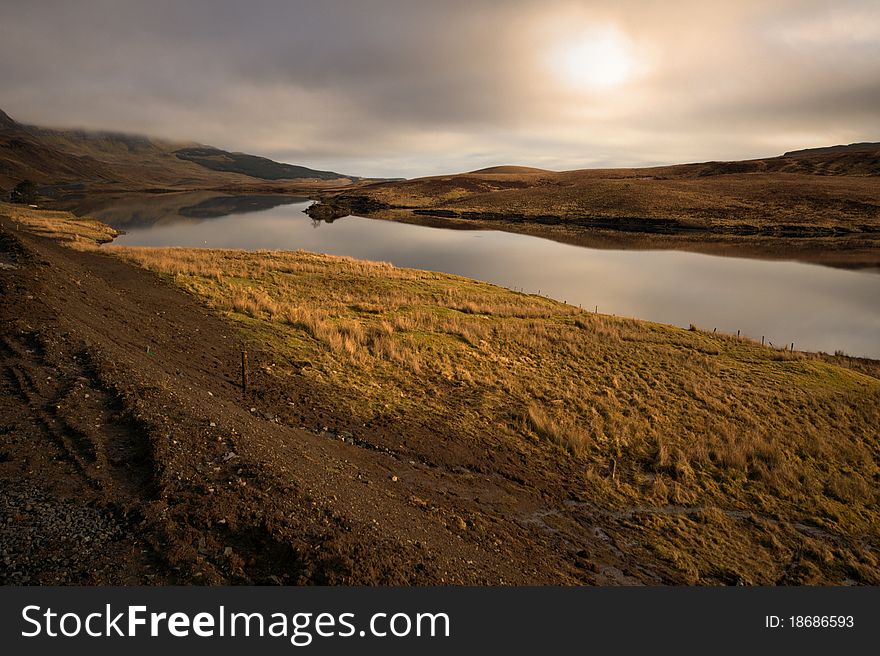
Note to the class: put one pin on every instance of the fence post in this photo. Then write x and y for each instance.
(244, 372)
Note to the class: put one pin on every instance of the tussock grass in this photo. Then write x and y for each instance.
(727, 460)
(74, 231)
(560, 429)
(728, 445)
(681, 416)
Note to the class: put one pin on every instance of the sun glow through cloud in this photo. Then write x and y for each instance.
(424, 88)
(593, 60)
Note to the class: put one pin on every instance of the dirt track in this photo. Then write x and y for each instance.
(128, 455)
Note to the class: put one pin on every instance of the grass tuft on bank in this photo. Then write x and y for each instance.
(74, 231)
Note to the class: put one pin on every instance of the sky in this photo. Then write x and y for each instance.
(403, 88)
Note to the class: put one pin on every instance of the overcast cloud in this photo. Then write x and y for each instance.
(413, 88)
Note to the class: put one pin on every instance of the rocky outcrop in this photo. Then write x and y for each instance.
(335, 208)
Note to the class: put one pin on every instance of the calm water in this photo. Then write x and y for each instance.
(817, 308)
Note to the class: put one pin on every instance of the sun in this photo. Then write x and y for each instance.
(593, 60)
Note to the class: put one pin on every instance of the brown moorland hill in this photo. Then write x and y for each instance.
(107, 160)
(509, 169)
(813, 205)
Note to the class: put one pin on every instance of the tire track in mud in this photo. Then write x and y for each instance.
(88, 423)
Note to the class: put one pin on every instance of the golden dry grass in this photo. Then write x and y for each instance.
(74, 231)
(725, 460)
(679, 417)
(680, 192)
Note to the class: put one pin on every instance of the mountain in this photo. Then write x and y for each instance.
(5, 120)
(108, 160)
(257, 167)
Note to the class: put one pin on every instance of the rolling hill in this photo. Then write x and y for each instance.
(106, 160)
(810, 204)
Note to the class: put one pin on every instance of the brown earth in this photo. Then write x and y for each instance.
(121, 409)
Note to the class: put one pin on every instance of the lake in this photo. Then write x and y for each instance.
(818, 308)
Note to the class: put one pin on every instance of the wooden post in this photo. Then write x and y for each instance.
(762, 340)
(737, 333)
(792, 348)
(597, 309)
(244, 372)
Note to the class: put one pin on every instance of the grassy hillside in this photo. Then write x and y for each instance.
(761, 193)
(256, 167)
(72, 230)
(695, 457)
(725, 459)
(109, 160)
